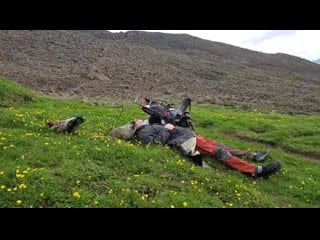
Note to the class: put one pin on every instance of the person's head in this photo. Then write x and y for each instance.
(127, 131)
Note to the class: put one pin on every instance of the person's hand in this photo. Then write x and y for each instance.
(169, 126)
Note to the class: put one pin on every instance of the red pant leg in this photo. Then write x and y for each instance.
(206, 147)
(210, 148)
(240, 165)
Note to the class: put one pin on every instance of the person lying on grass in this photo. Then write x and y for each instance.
(195, 146)
(69, 125)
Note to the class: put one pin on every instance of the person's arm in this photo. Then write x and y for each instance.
(164, 133)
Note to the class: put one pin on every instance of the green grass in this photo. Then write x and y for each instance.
(11, 93)
(39, 168)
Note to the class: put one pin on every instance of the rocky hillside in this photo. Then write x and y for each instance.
(101, 64)
(317, 61)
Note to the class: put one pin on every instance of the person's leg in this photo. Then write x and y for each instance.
(213, 150)
(238, 153)
(252, 156)
(233, 162)
(206, 147)
(247, 168)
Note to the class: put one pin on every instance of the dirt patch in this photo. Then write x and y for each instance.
(310, 156)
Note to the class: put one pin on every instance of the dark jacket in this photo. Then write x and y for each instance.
(158, 134)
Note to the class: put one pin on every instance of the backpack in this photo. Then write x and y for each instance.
(160, 112)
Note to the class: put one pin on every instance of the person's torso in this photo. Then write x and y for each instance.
(179, 135)
(176, 137)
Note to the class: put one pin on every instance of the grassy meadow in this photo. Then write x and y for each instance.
(42, 169)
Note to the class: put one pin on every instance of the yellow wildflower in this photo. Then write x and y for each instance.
(76, 195)
(22, 186)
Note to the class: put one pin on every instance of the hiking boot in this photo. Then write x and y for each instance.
(260, 156)
(270, 169)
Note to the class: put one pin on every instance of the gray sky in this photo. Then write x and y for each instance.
(300, 43)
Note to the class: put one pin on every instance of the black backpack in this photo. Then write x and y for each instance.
(160, 112)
